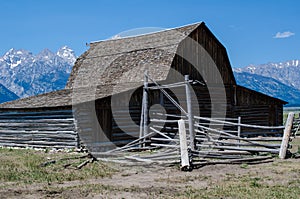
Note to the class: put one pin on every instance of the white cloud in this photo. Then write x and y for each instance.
(280, 35)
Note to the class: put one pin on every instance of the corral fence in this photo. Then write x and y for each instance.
(213, 144)
(197, 141)
(296, 126)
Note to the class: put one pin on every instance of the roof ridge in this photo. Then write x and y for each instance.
(196, 24)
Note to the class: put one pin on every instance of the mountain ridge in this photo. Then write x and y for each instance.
(286, 72)
(269, 86)
(277, 79)
(26, 74)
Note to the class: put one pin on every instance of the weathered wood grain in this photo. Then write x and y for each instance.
(38, 129)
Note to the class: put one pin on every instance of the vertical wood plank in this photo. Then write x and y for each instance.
(145, 104)
(286, 135)
(185, 164)
(239, 129)
(189, 110)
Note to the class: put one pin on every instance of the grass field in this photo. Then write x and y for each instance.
(23, 174)
(26, 166)
(28, 173)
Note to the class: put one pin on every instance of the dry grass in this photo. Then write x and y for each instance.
(25, 166)
(21, 176)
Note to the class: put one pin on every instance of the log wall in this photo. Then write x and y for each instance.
(38, 129)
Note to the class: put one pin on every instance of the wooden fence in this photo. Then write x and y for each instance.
(296, 126)
(46, 129)
(217, 141)
(214, 142)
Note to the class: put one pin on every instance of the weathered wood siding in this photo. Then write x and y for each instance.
(209, 52)
(252, 106)
(108, 122)
(257, 108)
(93, 121)
(38, 128)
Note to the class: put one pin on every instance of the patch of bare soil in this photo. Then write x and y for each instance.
(155, 181)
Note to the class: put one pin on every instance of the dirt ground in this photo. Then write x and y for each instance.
(154, 181)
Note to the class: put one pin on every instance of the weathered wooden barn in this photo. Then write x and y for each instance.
(103, 97)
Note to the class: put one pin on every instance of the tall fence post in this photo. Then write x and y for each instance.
(185, 163)
(145, 104)
(142, 123)
(239, 129)
(190, 114)
(286, 135)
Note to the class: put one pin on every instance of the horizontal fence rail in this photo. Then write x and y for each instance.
(238, 124)
(296, 126)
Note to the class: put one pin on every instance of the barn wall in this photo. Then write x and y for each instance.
(119, 116)
(126, 111)
(209, 52)
(94, 124)
(109, 122)
(124, 115)
(47, 128)
(114, 121)
(256, 108)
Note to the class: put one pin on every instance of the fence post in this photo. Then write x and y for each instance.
(239, 129)
(286, 135)
(145, 104)
(142, 123)
(189, 110)
(185, 163)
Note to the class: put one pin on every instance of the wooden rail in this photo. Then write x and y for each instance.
(296, 126)
(238, 124)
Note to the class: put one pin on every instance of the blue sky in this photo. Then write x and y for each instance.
(247, 29)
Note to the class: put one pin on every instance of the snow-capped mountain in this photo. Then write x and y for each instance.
(280, 80)
(287, 72)
(269, 86)
(26, 74)
(6, 95)
(67, 54)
